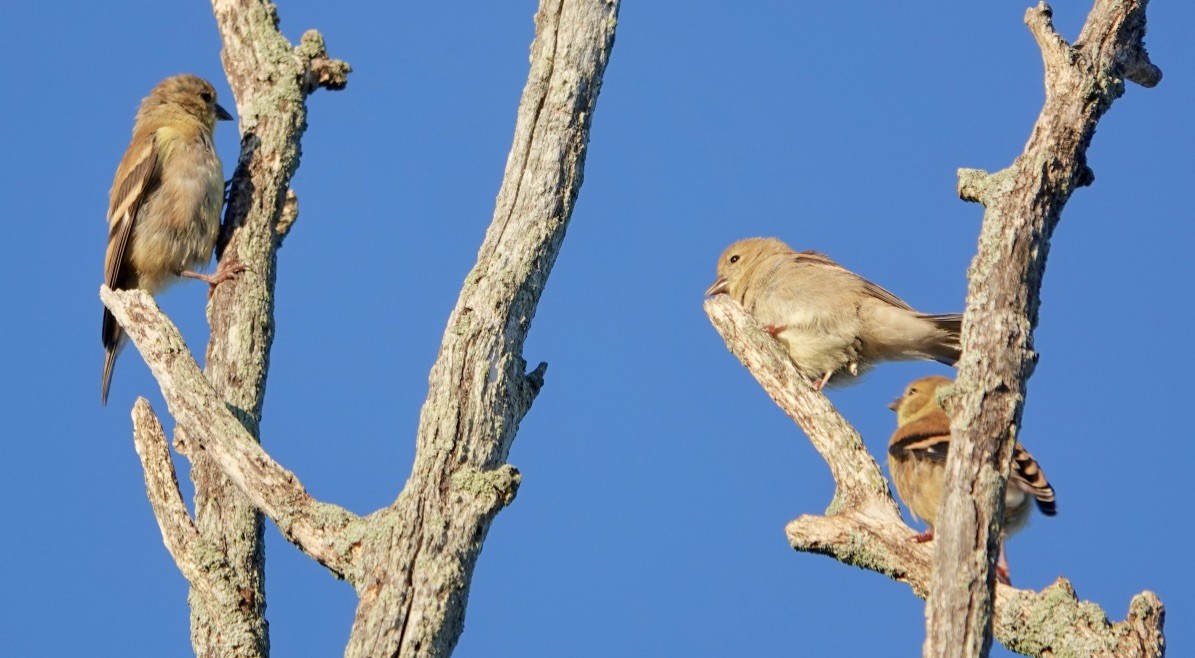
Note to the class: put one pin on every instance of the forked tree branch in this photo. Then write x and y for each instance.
(411, 563)
(863, 526)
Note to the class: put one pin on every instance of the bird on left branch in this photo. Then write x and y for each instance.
(164, 207)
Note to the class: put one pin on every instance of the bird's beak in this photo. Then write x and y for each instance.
(720, 286)
(222, 114)
(894, 405)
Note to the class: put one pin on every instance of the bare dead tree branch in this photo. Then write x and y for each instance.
(1023, 205)
(863, 526)
(270, 81)
(412, 562)
(479, 388)
(316, 528)
(212, 580)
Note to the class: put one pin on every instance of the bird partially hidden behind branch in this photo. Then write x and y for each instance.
(833, 322)
(164, 207)
(917, 460)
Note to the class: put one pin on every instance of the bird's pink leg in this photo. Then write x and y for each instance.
(224, 271)
(774, 329)
(1002, 567)
(923, 537)
(821, 383)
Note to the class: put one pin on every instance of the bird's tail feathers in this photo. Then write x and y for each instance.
(106, 380)
(1028, 475)
(114, 339)
(947, 348)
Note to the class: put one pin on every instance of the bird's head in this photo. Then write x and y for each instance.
(920, 398)
(740, 259)
(185, 95)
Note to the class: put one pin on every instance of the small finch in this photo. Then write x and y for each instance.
(832, 322)
(164, 207)
(917, 461)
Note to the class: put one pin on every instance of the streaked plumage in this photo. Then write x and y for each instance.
(917, 460)
(832, 321)
(164, 207)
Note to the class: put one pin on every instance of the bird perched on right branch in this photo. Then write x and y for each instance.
(832, 322)
(917, 460)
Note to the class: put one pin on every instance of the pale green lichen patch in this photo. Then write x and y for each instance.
(1053, 623)
(499, 485)
(860, 550)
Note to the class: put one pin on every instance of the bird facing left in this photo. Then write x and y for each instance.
(832, 322)
(164, 207)
(917, 461)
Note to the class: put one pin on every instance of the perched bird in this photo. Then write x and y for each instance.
(832, 321)
(164, 207)
(917, 460)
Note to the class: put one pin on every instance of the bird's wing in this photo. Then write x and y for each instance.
(140, 162)
(868, 287)
(881, 294)
(925, 438)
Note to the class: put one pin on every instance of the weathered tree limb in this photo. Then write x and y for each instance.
(856, 474)
(479, 389)
(412, 562)
(212, 580)
(270, 81)
(1023, 205)
(863, 526)
(319, 529)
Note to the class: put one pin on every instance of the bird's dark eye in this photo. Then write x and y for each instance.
(206, 96)
(912, 391)
(734, 259)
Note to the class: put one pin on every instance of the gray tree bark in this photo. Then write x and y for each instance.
(411, 563)
(1023, 205)
(862, 526)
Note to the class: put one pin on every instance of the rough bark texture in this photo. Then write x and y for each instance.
(1023, 204)
(411, 563)
(863, 527)
(221, 552)
(413, 600)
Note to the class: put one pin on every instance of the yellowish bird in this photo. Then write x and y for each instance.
(917, 460)
(164, 207)
(832, 322)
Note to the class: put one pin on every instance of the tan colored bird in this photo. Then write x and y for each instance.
(917, 460)
(164, 208)
(832, 321)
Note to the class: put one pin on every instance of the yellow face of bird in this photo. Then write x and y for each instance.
(181, 96)
(736, 262)
(920, 398)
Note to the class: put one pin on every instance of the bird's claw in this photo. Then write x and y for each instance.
(223, 273)
(923, 537)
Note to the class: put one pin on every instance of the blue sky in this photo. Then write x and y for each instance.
(657, 476)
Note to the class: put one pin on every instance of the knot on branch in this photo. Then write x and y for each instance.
(1084, 176)
(1136, 66)
(972, 184)
(319, 70)
(535, 379)
(494, 488)
(1054, 49)
(980, 186)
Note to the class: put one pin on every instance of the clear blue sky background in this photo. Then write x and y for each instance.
(657, 476)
